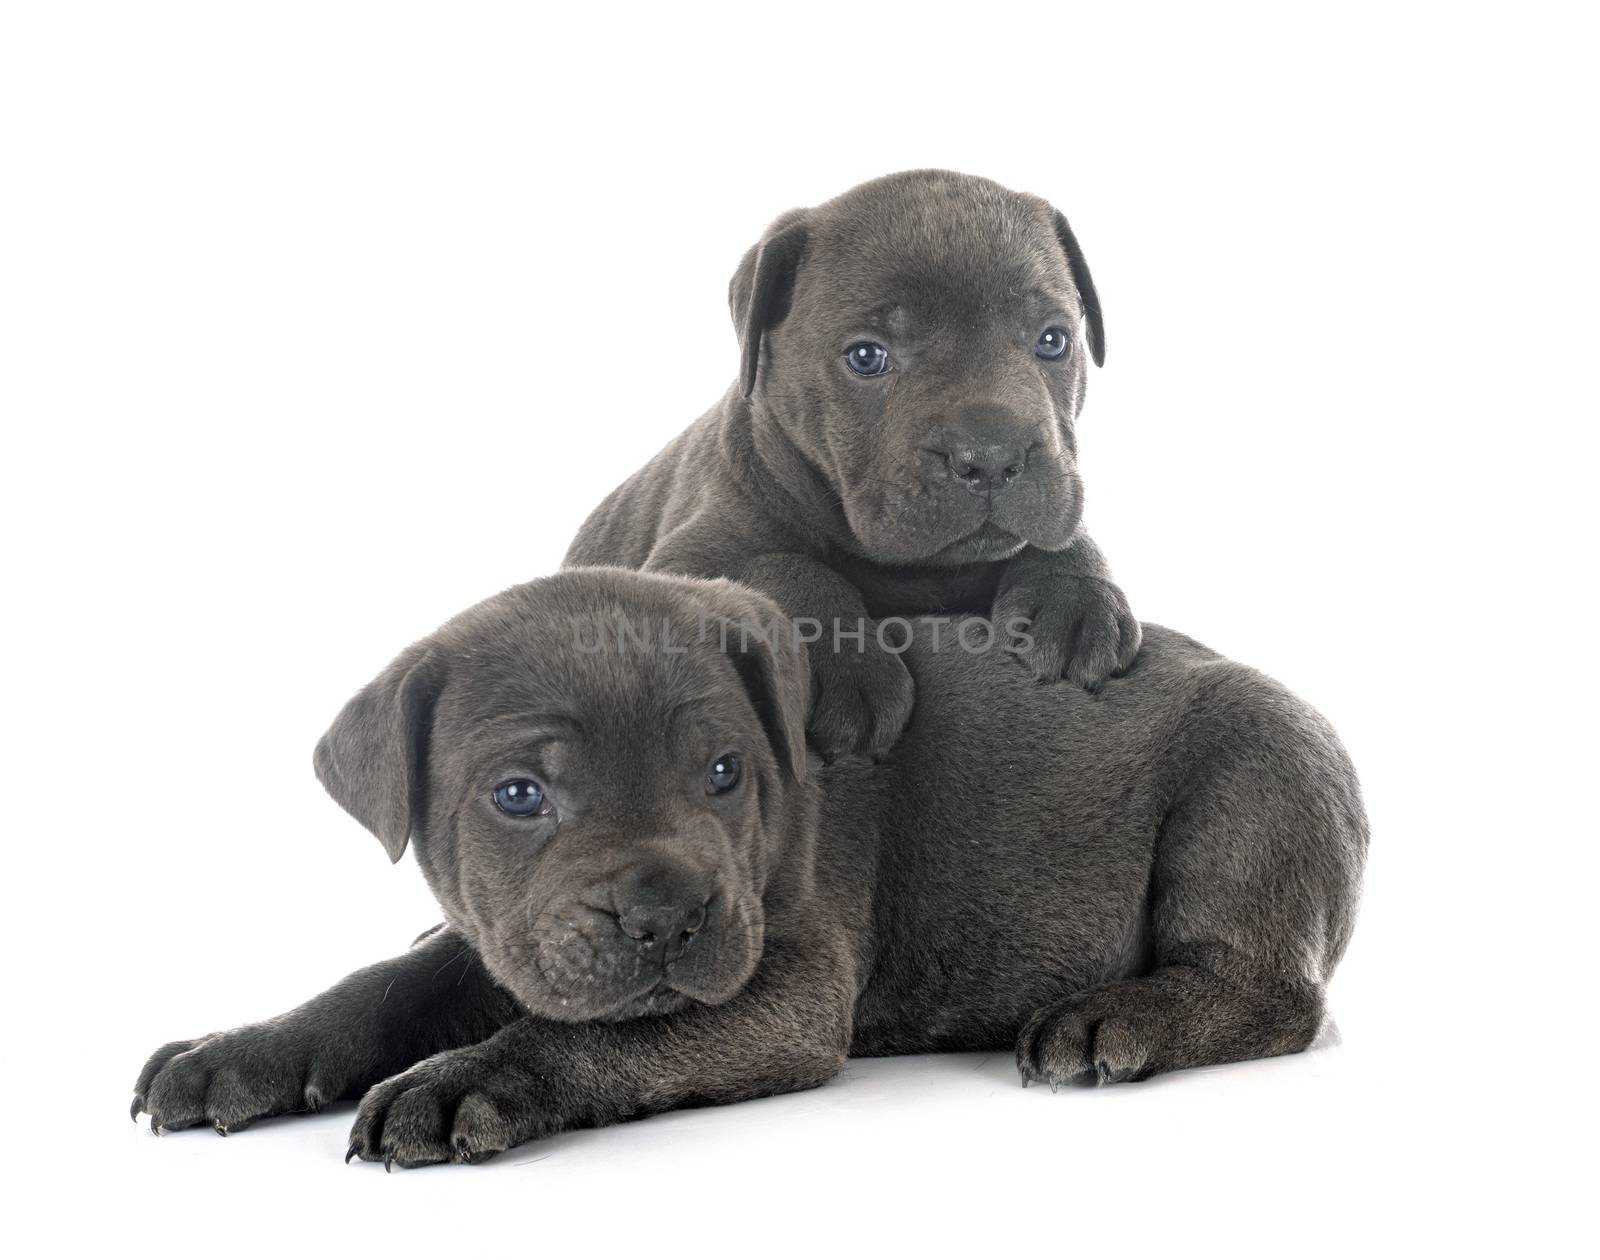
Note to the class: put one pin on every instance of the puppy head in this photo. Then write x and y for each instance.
(594, 768)
(924, 341)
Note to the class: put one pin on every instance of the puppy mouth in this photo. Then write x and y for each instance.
(557, 997)
(940, 524)
(661, 999)
(990, 538)
(584, 968)
(989, 541)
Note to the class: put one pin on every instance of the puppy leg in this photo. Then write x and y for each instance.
(1253, 895)
(1080, 626)
(789, 1029)
(862, 693)
(371, 1024)
(1176, 1017)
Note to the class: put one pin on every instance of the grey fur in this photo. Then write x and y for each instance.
(839, 496)
(1158, 878)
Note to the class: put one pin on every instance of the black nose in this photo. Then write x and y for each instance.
(983, 466)
(663, 922)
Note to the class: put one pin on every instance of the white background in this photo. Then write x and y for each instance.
(323, 321)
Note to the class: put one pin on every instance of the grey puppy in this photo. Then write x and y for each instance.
(653, 900)
(899, 441)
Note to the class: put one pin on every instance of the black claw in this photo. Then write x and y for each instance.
(155, 1125)
(222, 1129)
(138, 1106)
(351, 1153)
(388, 1161)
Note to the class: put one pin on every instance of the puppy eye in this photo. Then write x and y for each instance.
(1052, 343)
(867, 358)
(521, 798)
(723, 775)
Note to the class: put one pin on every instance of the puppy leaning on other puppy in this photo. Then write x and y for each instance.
(899, 441)
(653, 901)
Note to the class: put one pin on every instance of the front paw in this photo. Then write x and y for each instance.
(860, 700)
(460, 1106)
(1078, 628)
(230, 1079)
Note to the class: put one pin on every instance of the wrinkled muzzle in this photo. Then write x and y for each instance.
(649, 939)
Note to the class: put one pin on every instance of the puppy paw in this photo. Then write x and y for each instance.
(456, 1107)
(1102, 1037)
(229, 1080)
(860, 701)
(1081, 629)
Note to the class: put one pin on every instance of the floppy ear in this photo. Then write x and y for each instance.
(1085, 284)
(773, 667)
(758, 294)
(373, 760)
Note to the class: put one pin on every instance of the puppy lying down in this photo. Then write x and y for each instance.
(653, 900)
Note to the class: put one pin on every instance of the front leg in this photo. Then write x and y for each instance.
(1079, 624)
(370, 1025)
(861, 692)
(789, 1029)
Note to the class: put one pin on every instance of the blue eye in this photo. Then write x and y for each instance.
(867, 358)
(521, 798)
(1053, 343)
(724, 774)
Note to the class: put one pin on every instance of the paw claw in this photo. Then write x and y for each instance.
(442, 1111)
(1097, 1038)
(351, 1153)
(230, 1080)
